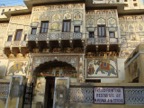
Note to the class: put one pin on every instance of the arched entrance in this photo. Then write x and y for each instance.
(55, 68)
(50, 70)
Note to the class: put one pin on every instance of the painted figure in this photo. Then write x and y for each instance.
(18, 67)
(105, 67)
(91, 69)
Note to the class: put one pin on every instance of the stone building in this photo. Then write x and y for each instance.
(71, 54)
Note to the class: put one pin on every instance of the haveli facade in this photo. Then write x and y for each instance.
(71, 53)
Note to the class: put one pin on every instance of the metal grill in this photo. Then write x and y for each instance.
(82, 95)
(134, 95)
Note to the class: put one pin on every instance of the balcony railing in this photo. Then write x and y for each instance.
(102, 40)
(54, 36)
(106, 1)
(23, 43)
(66, 35)
(8, 44)
(42, 36)
(77, 35)
(15, 43)
(32, 37)
(91, 41)
(113, 41)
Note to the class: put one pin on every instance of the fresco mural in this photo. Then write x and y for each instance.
(3, 64)
(39, 90)
(101, 68)
(17, 68)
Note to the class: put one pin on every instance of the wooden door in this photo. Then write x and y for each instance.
(49, 92)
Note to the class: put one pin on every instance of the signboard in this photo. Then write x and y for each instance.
(108, 95)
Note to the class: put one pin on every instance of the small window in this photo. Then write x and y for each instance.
(33, 31)
(44, 27)
(135, 4)
(18, 35)
(25, 37)
(76, 28)
(9, 38)
(66, 26)
(112, 34)
(101, 30)
(91, 34)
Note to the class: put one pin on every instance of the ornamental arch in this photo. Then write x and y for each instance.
(50, 64)
(55, 68)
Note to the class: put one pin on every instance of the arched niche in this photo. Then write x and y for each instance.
(131, 27)
(101, 21)
(77, 16)
(44, 16)
(67, 16)
(90, 22)
(56, 17)
(111, 22)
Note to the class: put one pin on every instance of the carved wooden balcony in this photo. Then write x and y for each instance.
(8, 43)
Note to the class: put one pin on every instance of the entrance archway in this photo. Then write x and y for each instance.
(50, 70)
(55, 68)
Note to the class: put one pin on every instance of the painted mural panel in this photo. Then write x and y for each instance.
(17, 68)
(39, 90)
(3, 65)
(97, 68)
